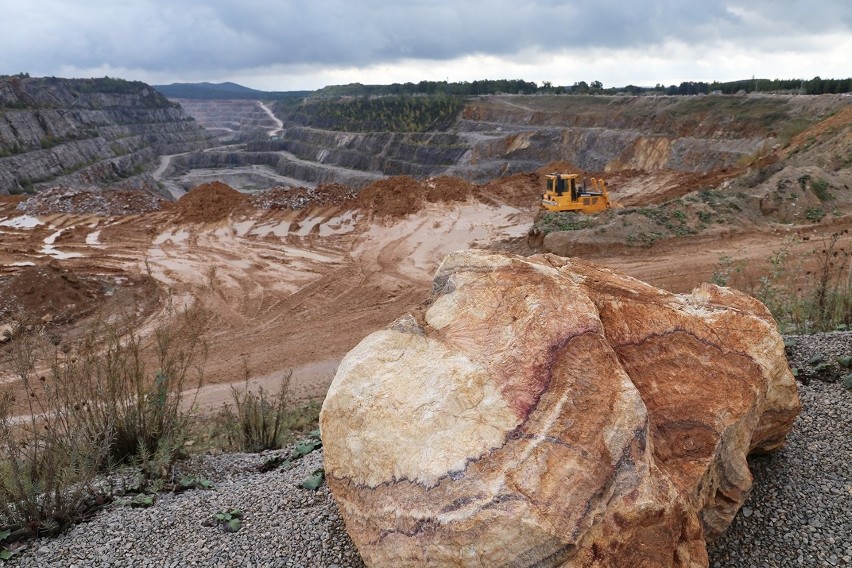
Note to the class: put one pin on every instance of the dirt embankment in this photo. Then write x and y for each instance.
(209, 203)
(50, 292)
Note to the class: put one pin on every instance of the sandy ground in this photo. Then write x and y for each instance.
(295, 290)
(288, 290)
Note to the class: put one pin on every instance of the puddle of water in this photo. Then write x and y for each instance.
(243, 227)
(52, 238)
(176, 238)
(93, 238)
(22, 222)
(58, 254)
(339, 225)
(306, 226)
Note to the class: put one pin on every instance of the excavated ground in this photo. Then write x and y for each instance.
(294, 278)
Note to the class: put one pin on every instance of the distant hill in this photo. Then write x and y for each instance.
(223, 91)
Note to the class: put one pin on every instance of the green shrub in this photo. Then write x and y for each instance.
(814, 214)
(563, 221)
(726, 268)
(367, 114)
(818, 299)
(820, 187)
(46, 465)
(48, 141)
(142, 410)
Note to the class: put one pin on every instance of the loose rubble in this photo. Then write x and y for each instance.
(95, 201)
(798, 512)
(283, 525)
(824, 356)
(283, 197)
(209, 203)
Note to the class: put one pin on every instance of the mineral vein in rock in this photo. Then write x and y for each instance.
(547, 412)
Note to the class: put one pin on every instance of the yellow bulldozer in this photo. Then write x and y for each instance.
(564, 193)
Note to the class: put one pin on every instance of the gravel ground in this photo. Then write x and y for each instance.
(283, 524)
(799, 512)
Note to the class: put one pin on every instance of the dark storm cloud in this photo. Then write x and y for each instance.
(183, 36)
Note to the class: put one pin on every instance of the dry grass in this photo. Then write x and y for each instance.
(806, 293)
(89, 408)
(261, 420)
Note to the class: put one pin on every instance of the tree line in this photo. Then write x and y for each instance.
(815, 86)
(458, 89)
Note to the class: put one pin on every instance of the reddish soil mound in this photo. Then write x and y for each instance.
(78, 201)
(398, 196)
(209, 202)
(334, 193)
(49, 290)
(448, 189)
(393, 197)
(520, 190)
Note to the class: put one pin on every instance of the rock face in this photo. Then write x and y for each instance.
(495, 136)
(546, 412)
(86, 131)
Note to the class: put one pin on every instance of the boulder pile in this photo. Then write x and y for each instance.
(544, 411)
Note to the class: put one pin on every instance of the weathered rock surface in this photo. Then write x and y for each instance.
(545, 412)
(495, 136)
(86, 131)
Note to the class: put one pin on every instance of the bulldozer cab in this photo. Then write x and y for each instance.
(561, 184)
(564, 193)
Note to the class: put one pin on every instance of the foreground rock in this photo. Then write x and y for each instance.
(545, 412)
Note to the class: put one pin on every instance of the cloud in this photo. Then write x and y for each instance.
(220, 38)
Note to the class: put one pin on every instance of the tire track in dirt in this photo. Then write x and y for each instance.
(288, 297)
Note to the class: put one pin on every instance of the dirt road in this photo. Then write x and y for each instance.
(279, 126)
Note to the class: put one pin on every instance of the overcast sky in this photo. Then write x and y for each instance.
(291, 45)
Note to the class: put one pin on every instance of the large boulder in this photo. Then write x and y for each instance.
(544, 411)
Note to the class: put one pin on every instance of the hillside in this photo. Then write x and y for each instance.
(222, 91)
(642, 140)
(87, 131)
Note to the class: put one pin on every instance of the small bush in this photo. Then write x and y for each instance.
(820, 187)
(142, 410)
(46, 465)
(806, 293)
(814, 214)
(726, 268)
(263, 420)
(563, 221)
(96, 406)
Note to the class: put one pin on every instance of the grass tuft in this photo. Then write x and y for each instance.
(89, 409)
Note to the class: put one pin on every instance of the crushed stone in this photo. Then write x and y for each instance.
(94, 201)
(796, 514)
